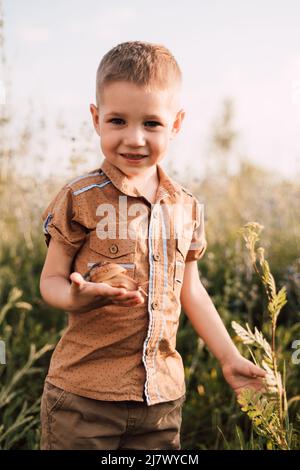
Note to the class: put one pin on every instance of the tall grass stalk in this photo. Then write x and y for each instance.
(267, 409)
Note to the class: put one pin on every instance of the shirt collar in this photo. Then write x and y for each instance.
(166, 185)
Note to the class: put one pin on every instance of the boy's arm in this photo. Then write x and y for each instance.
(78, 295)
(199, 308)
(54, 284)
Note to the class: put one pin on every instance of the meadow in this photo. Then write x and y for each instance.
(212, 418)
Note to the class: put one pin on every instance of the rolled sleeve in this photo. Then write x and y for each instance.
(60, 221)
(198, 243)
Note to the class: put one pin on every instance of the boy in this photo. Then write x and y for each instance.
(116, 380)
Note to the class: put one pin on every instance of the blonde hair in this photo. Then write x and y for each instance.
(151, 66)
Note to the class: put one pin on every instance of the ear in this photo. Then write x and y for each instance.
(95, 115)
(177, 123)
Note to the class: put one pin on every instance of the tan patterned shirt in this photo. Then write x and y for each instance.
(125, 353)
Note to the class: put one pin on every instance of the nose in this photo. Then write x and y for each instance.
(134, 137)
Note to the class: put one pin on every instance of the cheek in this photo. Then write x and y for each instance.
(164, 139)
(108, 139)
(160, 140)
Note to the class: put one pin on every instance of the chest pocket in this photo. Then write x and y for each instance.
(182, 246)
(120, 251)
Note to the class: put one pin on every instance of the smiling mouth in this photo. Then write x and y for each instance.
(132, 156)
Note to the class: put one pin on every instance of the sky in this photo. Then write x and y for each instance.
(248, 51)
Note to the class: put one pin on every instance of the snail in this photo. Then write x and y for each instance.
(112, 274)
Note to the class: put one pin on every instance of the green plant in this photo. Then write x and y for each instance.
(268, 408)
(17, 416)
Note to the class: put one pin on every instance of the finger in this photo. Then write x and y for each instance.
(128, 300)
(108, 291)
(256, 371)
(138, 300)
(127, 303)
(256, 385)
(77, 279)
(129, 295)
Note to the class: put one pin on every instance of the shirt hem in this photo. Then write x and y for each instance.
(93, 394)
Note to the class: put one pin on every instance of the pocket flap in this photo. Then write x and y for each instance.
(112, 248)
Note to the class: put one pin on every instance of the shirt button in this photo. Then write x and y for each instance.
(156, 256)
(114, 249)
(155, 214)
(154, 305)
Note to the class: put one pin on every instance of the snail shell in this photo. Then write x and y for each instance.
(112, 274)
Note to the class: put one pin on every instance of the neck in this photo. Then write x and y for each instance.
(150, 189)
(149, 174)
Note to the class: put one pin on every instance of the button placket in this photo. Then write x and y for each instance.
(156, 255)
(154, 304)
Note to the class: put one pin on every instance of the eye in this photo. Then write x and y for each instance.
(153, 122)
(115, 119)
(119, 121)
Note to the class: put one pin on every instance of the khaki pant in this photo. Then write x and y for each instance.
(72, 422)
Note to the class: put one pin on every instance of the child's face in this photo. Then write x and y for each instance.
(131, 120)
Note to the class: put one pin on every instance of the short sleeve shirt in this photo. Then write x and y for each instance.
(125, 353)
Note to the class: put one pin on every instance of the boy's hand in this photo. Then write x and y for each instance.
(241, 373)
(85, 296)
